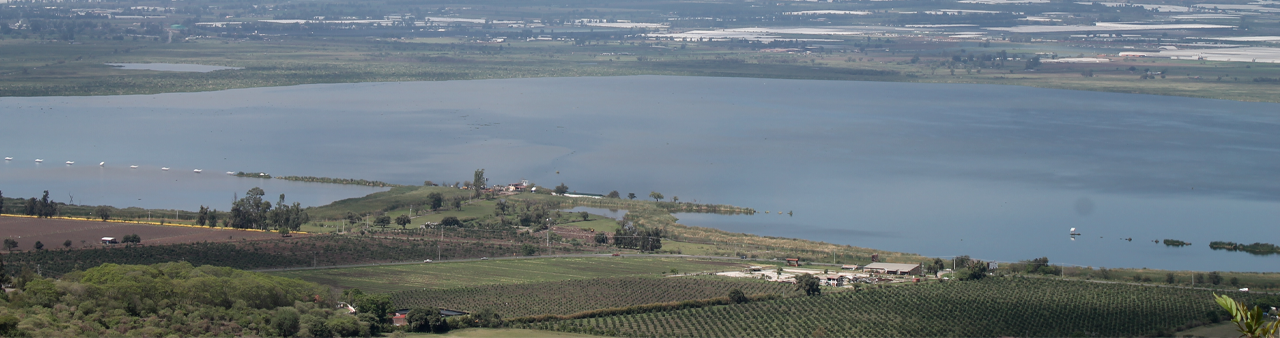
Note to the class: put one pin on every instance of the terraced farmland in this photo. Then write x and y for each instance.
(571, 296)
(996, 307)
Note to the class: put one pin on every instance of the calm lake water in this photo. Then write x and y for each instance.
(995, 172)
(171, 67)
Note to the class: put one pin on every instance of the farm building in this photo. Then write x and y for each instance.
(793, 262)
(848, 267)
(110, 240)
(894, 268)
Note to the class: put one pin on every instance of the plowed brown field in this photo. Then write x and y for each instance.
(53, 232)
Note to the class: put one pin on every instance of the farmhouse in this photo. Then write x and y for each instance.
(893, 268)
(110, 240)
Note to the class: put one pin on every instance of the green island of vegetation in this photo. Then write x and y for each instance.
(1175, 243)
(1255, 248)
(252, 175)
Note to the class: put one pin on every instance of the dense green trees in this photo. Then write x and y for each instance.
(975, 270)
(613, 194)
(808, 284)
(251, 212)
(286, 321)
(378, 305)
(174, 299)
(737, 296)
(630, 237)
(104, 212)
(656, 196)
(1215, 278)
(561, 189)
(42, 207)
(478, 181)
(1041, 266)
(426, 320)
(403, 220)
(286, 216)
(382, 221)
(435, 200)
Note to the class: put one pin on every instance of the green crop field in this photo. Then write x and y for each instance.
(469, 274)
(571, 296)
(325, 250)
(599, 223)
(496, 333)
(992, 307)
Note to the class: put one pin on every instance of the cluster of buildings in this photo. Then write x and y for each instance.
(846, 276)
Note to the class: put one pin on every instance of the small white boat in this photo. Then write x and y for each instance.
(164, 168)
(231, 173)
(71, 162)
(102, 164)
(39, 160)
(8, 159)
(197, 171)
(133, 167)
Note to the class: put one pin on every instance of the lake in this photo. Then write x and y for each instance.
(172, 67)
(995, 172)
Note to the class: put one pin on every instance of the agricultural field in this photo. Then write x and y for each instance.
(497, 333)
(572, 296)
(597, 223)
(449, 275)
(296, 252)
(86, 234)
(991, 307)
